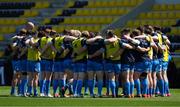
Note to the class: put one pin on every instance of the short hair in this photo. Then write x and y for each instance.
(110, 33)
(141, 29)
(125, 31)
(22, 31)
(85, 34)
(136, 32)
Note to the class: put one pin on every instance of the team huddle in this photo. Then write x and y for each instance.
(138, 58)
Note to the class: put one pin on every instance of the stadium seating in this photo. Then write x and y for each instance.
(164, 15)
(86, 14)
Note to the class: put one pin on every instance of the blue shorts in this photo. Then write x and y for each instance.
(79, 67)
(46, 65)
(112, 67)
(127, 67)
(155, 65)
(58, 66)
(94, 66)
(33, 66)
(160, 65)
(164, 66)
(23, 65)
(68, 64)
(16, 65)
(143, 66)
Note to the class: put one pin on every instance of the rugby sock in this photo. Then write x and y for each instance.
(107, 87)
(75, 87)
(150, 91)
(144, 83)
(42, 86)
(48, 83)
(90, 84)
(79, 86)
(19, 88)
(55, 86)
(113, 86)
(100, 85)
(13, 90)
(138, 86)
(29, 89)
(161, 86)
(23, 86)
(62, 83)
(127, 88)
(166, 87)
(131, 88)
(153, 91)
(117, 88)
(86, 86)
(35, 91)
(70, 88)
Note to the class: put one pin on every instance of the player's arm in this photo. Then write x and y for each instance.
(24, 50)
(97, 53)
(69, 38)
(92, 40)
(141, 49)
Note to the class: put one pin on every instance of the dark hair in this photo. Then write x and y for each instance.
(135, 32)
(110, 33)
(125, 31)
(141, 29)
(41, 34)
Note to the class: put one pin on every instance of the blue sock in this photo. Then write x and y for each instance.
(131, 88)
(100, 85)
(157, 88)
(86, 86)
(144, 83)
(62, 83)
(48, 83)
(127, 88)
(19, 88)
(113, 86)
(94, 84)
(23, 86)
(150, 91)
(35, 91)
(75, 87)
(161, 86)
(13, 90)
(42, 86)
(55, 86)
(166, 87)
(29, 90)
(117, 88)
(138, 86)
(90, 84)
(79, 86)
(153, 91)
(107, 87)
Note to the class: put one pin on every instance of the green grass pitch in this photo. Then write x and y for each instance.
(6, 100)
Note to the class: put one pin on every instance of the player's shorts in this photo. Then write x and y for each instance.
(127, 67)
(160, 65)
(58, 66)
(46, 65)
(164, 66)
(94, 66)
(23, 65)
(16, 66)
(155, 65)
(112, 67)
(79, 67)
(68, 64)
(33, 66)
(142, 66)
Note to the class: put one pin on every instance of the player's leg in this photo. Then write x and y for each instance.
(42, 78)
(166, 82)
(48, 77)
(90, 73)
(136, 78)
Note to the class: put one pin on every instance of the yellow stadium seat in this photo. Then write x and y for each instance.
(177, 7)
(11, 29)
(164, 15)
(130, 23)
(156, 15)
(177, 15)
(171, 15)
(163, 7)
(43, 4)
(149, 15)
(58, 12)
(156, 7)
(136, 23)
(46, 20)
(70, 4)
(170, 7)
(142, 16)
(1, 37)
(1, 53)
